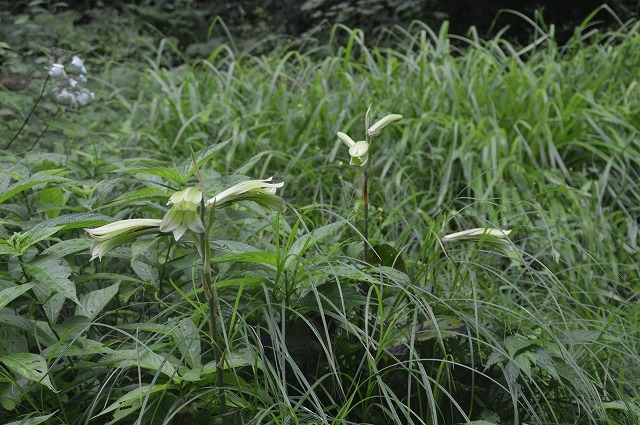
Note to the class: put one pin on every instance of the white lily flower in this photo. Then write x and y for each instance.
(359, 151)
(375, 129)
(477, 234)
(259, 191)
(184, 213)
(77, 62)
(114, 234)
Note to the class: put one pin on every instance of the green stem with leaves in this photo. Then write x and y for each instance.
(210, 294)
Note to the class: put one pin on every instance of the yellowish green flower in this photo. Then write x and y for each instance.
(183, 214)
(359, 151)
(114, 234)
(477, 234)
(262, 192)
(375, 129)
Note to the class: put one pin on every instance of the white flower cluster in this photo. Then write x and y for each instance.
(71, 90)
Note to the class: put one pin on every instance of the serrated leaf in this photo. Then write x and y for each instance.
(47, 176)
(94, 302)
(54, 273)
(10, 294)
(187, 338)
(156, 170)
(33, 420)
(31, 366)
(133, 398)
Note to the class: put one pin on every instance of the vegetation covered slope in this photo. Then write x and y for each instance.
(540, 139)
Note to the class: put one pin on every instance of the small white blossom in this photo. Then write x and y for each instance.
(77, 62)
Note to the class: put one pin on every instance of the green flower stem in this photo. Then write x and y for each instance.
(211, 295)
(365, 205)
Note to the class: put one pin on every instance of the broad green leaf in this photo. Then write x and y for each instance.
(344, 297)
(53, 306)
(259, 257)
(156, 170)
(54, 273)
(306, 241)
(31, 366)
(12, 341)
(514, 344)
(481, 422)
(629, 407)
(47, 176)
(33, 420)
(133, 398)
(187, 169)
(69, 246)
(10, 294)
(143, 358)
(146, 194)
(94, 302)
(75, 347)
(187, 338)
(51, 196)
(11, 392)
(47, 228)
(7, 248)
(36, 329)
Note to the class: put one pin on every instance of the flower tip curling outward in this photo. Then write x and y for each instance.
(262, 192)
(183, 214)
(477, 233)
(346, 139)
(375, 129)
(359, 151)
(112, 235)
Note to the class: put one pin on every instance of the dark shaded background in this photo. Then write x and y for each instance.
(189, 21)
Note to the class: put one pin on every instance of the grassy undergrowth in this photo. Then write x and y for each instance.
(540, 139)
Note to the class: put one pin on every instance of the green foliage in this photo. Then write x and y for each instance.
(541, 139)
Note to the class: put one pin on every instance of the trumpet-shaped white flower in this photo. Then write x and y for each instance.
(359, 151)
(262, 192)
(114, 234)
(184, 213)
(375, 129)
(477, 234)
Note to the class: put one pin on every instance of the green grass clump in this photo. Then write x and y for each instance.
(541, 139)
